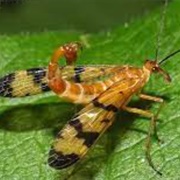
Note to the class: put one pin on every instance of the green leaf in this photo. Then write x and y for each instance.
(27, 125)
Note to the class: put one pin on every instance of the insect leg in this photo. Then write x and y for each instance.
(151, 98)
(155, 99)
(150, 132)
(152, 127)
(141, 112)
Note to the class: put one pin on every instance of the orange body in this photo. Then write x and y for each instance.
(83, 93)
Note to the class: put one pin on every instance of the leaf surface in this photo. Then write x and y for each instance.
(27, 125)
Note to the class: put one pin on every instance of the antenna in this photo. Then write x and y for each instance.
(161, 28)
(168, 56)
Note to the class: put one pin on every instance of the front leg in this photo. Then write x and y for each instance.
(150, 98)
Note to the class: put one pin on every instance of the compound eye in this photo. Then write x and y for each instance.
(154, 69)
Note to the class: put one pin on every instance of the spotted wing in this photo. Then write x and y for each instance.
(80, 133)
(78, 136)
(24, 83)
(34, 81)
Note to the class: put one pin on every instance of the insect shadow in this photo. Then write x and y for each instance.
(35, 117)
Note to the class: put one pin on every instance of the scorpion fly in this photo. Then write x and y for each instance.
(103, 90)
(102, 100)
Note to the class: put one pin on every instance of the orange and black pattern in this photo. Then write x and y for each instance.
(79, 134)
(34, 81)
(24, 83)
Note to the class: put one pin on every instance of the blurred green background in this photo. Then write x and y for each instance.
(82, 15)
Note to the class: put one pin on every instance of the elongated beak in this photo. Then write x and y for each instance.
(165, 74)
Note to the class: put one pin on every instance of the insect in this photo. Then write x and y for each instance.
(102, 99)
(103, 93)
(102, 89)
